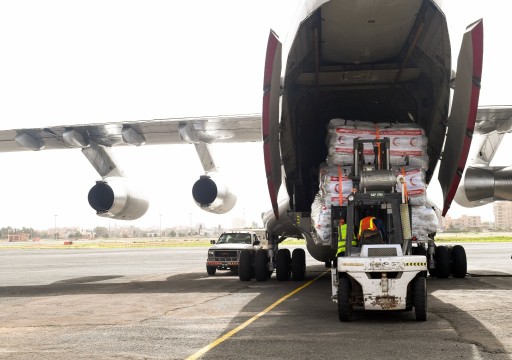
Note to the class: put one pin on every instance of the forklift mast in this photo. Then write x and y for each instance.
(374, 195)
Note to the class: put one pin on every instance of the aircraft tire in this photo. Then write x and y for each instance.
(420, 298)
(298, 264)
(442, 258)
(283, 260)
(211, 270)
(344, 306)
(459, 262)
(245, 265)
(261, 265)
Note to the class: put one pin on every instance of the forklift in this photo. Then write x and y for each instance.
(380, 273)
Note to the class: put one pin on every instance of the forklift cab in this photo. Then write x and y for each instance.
(384, 207)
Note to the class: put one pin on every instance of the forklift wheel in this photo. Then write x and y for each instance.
(420, 298)
(344, 307)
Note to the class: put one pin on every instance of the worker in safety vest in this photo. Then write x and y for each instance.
(370, 223)
(342, 236)
(367, 223)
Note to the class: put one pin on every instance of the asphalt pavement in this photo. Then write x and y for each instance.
(161, 304)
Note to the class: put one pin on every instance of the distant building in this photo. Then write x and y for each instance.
(503, 215)
(17, 237)
(465, 222)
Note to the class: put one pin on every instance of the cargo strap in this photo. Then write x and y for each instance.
(404, 186)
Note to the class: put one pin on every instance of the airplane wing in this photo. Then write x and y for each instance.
(492, 123)
(206, 129)
(115, 196)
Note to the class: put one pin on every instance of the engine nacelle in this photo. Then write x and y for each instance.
(212, 194)
(117, 198)
(483, 185)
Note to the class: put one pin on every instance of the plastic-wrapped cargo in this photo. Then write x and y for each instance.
(330, 183)
(408, 143)
(340, 140)
(337, 123)
(408, 149)
(424, 221)
(329, 194)
(415, 182)
(321, 221)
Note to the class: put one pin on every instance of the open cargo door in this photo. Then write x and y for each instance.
(270, 118)
(461, 122)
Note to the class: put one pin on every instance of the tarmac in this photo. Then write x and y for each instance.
(159, 303)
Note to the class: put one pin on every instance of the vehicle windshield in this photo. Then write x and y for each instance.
(234, 238)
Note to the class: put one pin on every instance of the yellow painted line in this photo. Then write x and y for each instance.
(226, 336)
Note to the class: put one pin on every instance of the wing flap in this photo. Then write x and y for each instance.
(209, 129)
(494, 118)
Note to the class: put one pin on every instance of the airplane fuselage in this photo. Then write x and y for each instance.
(376, 61)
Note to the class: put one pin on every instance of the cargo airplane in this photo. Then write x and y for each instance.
(374, 61)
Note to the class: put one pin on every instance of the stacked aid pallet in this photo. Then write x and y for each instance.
(408, 156)
(328, 194)
(408, 143)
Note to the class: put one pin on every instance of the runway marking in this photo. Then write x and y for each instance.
(226, 336)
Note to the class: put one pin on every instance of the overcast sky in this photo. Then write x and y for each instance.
(69, 62)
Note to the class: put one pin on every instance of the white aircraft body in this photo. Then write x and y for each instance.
(376, 61)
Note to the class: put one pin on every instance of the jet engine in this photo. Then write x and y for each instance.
(117, 198)
(212, 194)
(483, 185)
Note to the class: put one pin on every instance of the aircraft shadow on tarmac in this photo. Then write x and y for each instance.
(469, 283)
(197, 281)
(466, 328)
(181, 283)
(86, 279)
(319, 308)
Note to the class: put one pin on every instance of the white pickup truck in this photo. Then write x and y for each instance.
(225, 254)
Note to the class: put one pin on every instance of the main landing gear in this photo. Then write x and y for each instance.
(445, 260)
(291, 266)
(260, 264)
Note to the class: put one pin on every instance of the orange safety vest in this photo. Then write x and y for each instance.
(366, 223)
